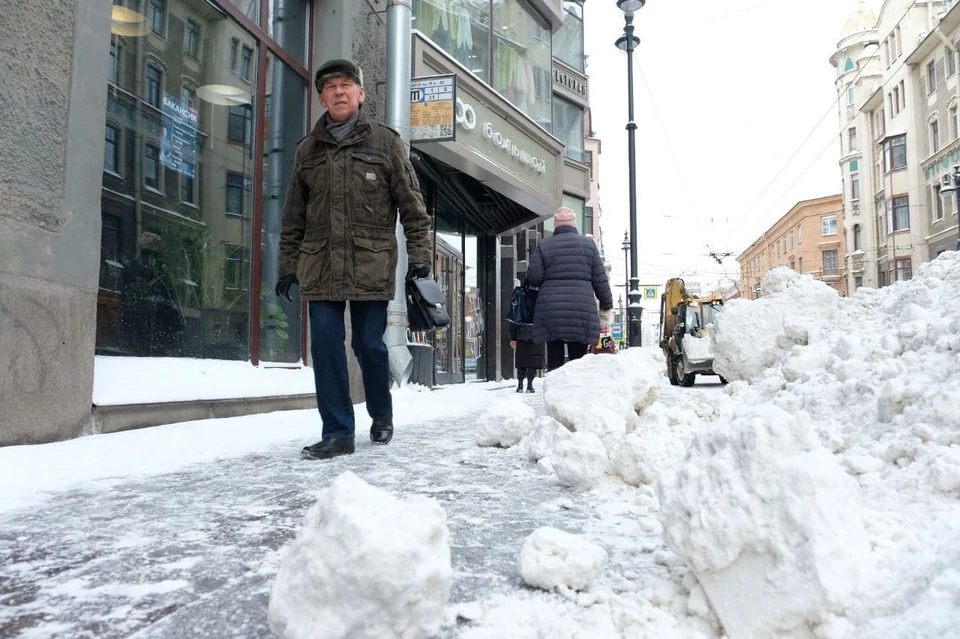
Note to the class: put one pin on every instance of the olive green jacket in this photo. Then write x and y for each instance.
(339, 218)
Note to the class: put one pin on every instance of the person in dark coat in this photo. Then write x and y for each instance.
(569, 272)
(527, 354)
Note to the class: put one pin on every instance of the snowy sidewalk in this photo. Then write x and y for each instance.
(193, 553)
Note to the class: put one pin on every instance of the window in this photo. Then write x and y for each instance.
(931, 76)
(897, 41)
(954, 123)
(903, 268)
(588, 220)
(831, 261)
(186, 189)
(151, 166)
(112, 74)
(857, 238)
(588, 160)
(153, 82)
(895, 104)
(828, 225)
(937, 203)
(157, 15)
(895, 153)
(522, 60)
(236, 268)
(189, 98)
(239, 127)
(111, 150)
(568, 127)
(568, 40)
(857, 282)
(887, 58)
(951, 61)
(852, 134)
(851, 95)
(245, 59)
(191, 38)
(903, 95)
(855, 186)
(935, 136)
(792, 240)
(234, 48)
(898, 214)
(236, 185)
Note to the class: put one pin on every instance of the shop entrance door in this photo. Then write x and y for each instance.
(448, 343)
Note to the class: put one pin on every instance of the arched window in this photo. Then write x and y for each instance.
(857, 238)
(848, 65)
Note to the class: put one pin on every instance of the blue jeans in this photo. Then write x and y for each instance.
(327, 334)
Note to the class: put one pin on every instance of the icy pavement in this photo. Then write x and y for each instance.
(193, 553)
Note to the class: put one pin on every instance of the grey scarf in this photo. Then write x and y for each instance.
(340, 130)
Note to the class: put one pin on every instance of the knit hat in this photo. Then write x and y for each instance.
(335, 68)
(564, 217)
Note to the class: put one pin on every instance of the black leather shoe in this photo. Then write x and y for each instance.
(381, 432)
(530, 390)
(327, 448)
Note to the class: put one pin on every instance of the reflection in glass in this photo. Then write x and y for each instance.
(459, 27)
(568, 40)
(522, 63)
(176, 205)
(449, 344)
(250, 8)
(473, 327)
(568, 127)
(285, 113)
(287, 24)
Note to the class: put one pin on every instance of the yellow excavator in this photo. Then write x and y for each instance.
(683, 332)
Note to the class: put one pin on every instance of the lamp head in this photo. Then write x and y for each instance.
(629, 7)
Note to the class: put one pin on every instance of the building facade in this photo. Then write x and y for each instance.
(167, 244)
(896, 85)
(807, 239)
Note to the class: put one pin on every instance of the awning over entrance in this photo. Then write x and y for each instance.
(483, 207)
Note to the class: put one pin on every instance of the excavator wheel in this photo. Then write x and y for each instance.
(672, 371)
(685, 379)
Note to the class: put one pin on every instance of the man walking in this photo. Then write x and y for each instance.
(338, 243)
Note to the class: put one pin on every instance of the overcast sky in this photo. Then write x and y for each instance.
(725, 93)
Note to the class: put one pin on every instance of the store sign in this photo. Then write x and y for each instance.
(432, 108)
(501, 137)
(178, 137)
(571, 82)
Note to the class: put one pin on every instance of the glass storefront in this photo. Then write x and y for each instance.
(518, 49)
(180, 200)
(568, 40)
(568, 127)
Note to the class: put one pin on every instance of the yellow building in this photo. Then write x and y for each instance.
(808, 239)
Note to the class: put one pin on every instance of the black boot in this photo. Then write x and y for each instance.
(530, 388)
(381, 432)
(520, 388)
(327, 448)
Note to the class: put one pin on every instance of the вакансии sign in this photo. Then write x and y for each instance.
(466, 117)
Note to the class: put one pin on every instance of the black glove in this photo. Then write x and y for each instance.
(418, 271)
(284, 284)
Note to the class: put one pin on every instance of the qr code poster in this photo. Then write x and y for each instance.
(433, 103)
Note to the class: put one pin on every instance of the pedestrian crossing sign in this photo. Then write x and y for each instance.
(649, 292)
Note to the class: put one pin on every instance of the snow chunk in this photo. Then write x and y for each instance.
(539, 443)
(603, 395)
(505, 422)
(552, 558)
(364, 565)
(579, 460)
(767, 518)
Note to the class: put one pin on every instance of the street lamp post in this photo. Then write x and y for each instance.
(627, 43)
(626, 285)
(954, 188)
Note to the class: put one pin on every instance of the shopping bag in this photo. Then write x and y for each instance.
(522, 303)
(426, 305)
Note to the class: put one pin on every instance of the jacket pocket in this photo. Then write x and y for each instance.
(314, 262)
(315, 174)
(371, 183)
(374, 260)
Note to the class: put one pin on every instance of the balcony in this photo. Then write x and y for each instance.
(830, 274)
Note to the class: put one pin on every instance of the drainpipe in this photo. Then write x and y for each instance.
(398, 117)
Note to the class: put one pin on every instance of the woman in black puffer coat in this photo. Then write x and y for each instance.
(569, 272)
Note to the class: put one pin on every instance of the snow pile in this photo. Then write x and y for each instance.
(364, 565)
(698, 349)
(602, 395)
(505, 422)
(554, 559)
(840, 460)
(579, 460)
(540, 442)
(658, 442)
